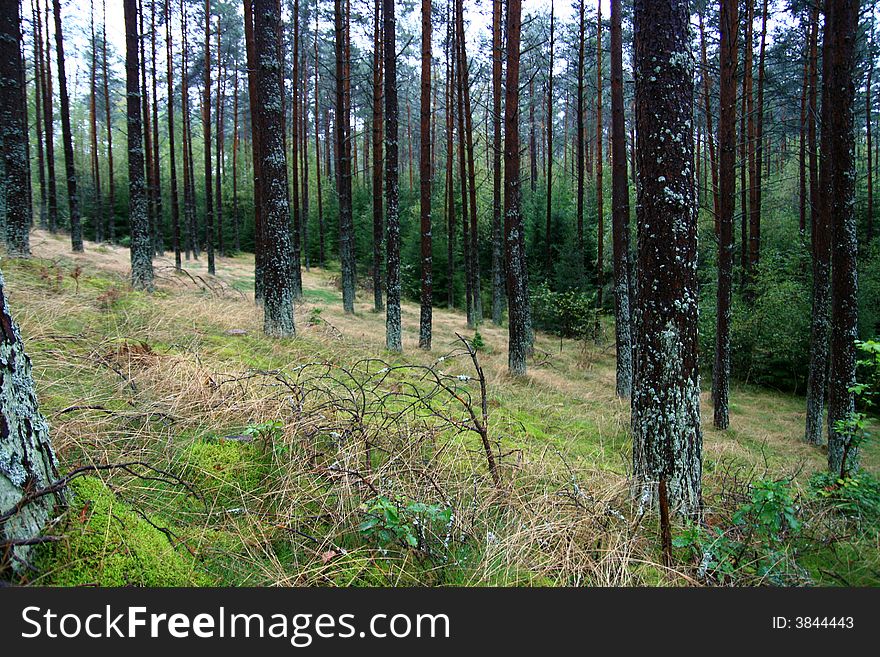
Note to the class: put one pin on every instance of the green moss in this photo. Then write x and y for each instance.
(225, 469)
(108, 544)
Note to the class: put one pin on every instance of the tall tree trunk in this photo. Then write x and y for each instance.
(14, 182)
(710, 133)
(256, 131)
(392, 317)
(620, 211)
(802, 157)
(49, 123)
(93, 131)
(236, 216)
(304, 144)
(28, 463)
(600, 214)
(518, 331)
(38, 111)
(148, 132)
(343, 146)
(667, 438)
(175, 208)
(450, 183)
(533, 144)
(838, 152)
(755, 206)
(474, 252)
(318, 152)
(378, 219)
(820, 242)
(868, 122)
(69, 166)
(277, 284)
(425, 181)
(296, 257)
(498, 291)
(548, 229)
(748, 217)
(206, 130)
(158, 232)
(726, 200)
(141, 248)
(111, 197)
(462, 176)
(579, 140)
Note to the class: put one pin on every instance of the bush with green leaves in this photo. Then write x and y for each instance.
(407, 524)
(758, 543)
(856, 496)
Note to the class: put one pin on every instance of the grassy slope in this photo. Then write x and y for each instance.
(122, 374)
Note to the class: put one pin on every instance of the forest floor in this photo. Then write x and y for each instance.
(264, 474)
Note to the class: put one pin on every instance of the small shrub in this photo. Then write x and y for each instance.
(856, 495)
(407, 524)
(478, 343)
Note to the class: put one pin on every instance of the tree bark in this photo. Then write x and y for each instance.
(426, 312)
(518, 337)
(14, 137)
(27, 460)
(726, 199)
(175, 208)
(277, 285)
(343, 166)
(600, 213)
(392, 191)
(838, 151)
(378, 219)
(206, 123)
(667, 438)
(498, 290)
(76, 239)
(141, 247)
(620, 211)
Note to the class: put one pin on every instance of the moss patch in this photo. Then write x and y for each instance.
(106, 543)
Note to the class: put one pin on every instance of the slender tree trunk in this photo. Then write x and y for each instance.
(462, 176)
(14, 180)
(158, 233)
(620, 211)
(343, 167)
(70, 168)
(726, 198)
(820, 242)
(533, 144)
(802, 157)
(474, 252)
(38, 111)
(206, 123)
(869, 150)
(498, 290)
(318, 152)
(838, 151)
(518, 338)
(425, 181)
(710, 133)
(304, 143)
(256, 150)
(378, 219)
(392, 317)
(93, 131)
(172, 160)
(189, 185)
(141, 249)
(548, 229)
(49, 123)
(667, 438)
(755, 206)
(450, 137)
(600, 214)
(580, 145)
(277, 284)
(148, 132)
(236, 216)
(111, 198)
(219, 146)
(296, 257)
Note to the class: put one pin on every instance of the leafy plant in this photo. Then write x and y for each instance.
(478, 343)
(267, 431)
(855, 495)
(315, 317)
(408, 524)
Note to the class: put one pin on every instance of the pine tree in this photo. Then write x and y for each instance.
(667, 439)
(425, 154)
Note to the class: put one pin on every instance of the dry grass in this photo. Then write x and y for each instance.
(121, 373)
